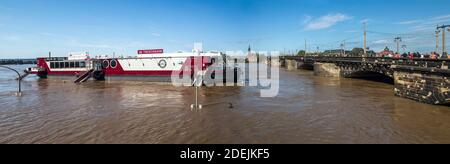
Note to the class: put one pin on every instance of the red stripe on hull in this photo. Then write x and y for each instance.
(142, 73)
(65, 73)
(127, 73)
(119, 71)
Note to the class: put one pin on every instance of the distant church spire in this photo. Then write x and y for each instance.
(249, 48)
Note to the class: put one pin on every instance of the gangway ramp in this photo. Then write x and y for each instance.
(84, 77)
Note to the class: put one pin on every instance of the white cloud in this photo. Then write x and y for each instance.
(156, 34)
(409, 22)
(425, 25)
(381, 41)
(422, 28)
(325, 21)
(441, 17)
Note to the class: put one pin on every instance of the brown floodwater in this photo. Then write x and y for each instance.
(309, 109)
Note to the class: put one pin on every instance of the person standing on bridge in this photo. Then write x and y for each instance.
(433, 55)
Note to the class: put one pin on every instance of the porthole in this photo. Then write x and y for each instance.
(162, 63)
(105, 64)
(113, 64)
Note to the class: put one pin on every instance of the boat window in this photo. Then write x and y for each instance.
(72, 64)
(113, 64)
(52, 64)
(77, 64)
(105, 64)
(56, 64)
(66, 65)
(82, 64)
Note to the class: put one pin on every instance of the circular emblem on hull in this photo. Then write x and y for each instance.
(162, 63)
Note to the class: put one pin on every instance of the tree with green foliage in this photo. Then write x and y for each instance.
(357, 52)
(301, 53)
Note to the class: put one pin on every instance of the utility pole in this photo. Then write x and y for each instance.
(437, 41)
(365, 39)
(444, 51)
(345, 53)
(343, 48)
(398, 40)
(443, 28)
(306, 48)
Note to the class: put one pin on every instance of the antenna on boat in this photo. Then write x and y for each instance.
(198, 47)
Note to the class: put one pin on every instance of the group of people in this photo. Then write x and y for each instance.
(413, 55)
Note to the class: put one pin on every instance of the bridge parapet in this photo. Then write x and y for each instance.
(424, 80)
(417, 62)
(436, 63)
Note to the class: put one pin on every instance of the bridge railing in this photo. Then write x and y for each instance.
(415, 62)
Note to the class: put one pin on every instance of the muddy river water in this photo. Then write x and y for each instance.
(309, 109)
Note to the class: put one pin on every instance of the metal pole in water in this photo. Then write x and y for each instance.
(196, 96)
(196, 105)
(19, 79)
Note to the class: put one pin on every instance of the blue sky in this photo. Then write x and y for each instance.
(31, 28)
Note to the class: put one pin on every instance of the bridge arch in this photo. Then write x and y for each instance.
(378, 76)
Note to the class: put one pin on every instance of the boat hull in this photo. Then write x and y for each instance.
(158, 69)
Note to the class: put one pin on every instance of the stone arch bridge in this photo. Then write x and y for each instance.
(424, 80)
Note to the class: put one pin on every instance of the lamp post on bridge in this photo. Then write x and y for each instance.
(19, 79)
(442, 29)
(365, 42)
(398, 40)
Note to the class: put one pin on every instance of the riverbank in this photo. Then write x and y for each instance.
(17, 61)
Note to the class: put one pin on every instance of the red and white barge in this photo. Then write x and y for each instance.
(152, 65)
